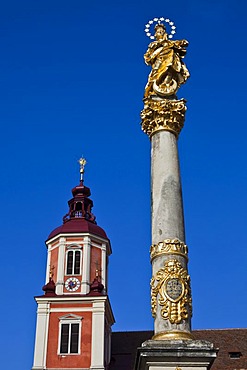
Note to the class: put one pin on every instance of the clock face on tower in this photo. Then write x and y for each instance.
(72, 284)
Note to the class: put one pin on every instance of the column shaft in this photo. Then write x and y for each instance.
(167, 205)
(168, 252)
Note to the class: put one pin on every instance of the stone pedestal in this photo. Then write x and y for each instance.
(175, 355)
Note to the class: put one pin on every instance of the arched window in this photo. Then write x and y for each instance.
(78, 209)
(73, 266)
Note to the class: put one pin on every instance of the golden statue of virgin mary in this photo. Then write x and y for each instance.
(168, 70)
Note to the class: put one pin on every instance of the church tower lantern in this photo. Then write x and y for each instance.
(74, 315)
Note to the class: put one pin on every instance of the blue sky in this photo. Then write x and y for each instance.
(72, 78)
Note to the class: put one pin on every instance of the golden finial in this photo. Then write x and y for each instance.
(82, 162)
(98, 270)
(52, 271)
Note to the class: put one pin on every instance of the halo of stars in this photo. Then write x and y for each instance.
(159, 20)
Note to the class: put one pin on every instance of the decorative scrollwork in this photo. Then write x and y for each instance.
(172, 284)
(169, 246)
(163, 114)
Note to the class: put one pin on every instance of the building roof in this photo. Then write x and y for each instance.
(78, 225)
(79, 218)
(232, 345)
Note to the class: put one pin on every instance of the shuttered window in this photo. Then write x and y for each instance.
(64, 345)
(74, 338)
(77, 262)
(69, 338)
(73, 266)
(70, 258)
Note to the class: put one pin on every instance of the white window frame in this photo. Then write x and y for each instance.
(69, 319)
(73, 249)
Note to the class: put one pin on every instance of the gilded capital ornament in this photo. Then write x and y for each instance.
(170, 289)
(169, 246)
(163, 114)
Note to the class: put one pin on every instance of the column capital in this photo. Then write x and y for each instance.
(163, 114)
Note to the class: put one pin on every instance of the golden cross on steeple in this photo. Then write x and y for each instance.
(82, 162)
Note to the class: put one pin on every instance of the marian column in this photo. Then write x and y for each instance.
(162, 120)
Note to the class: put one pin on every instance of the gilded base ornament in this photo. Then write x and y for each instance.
(169, 246)
(163, 114)
(173, 335)
(172, 284)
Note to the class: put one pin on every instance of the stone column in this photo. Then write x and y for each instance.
(162, 120)
(172, 346)
(167, 205)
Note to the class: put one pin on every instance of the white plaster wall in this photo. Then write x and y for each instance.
(98, 336)
(40, 349)
(60, 266)
(86, 265)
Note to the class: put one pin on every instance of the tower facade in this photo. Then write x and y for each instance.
(74, 315)
(172, 346)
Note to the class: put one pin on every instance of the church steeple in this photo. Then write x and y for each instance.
(74, 314)
(79, 216)
(80, 206)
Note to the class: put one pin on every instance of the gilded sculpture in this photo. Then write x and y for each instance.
(170, 288)
(82, 162)
(168, 70)
(162, 110)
